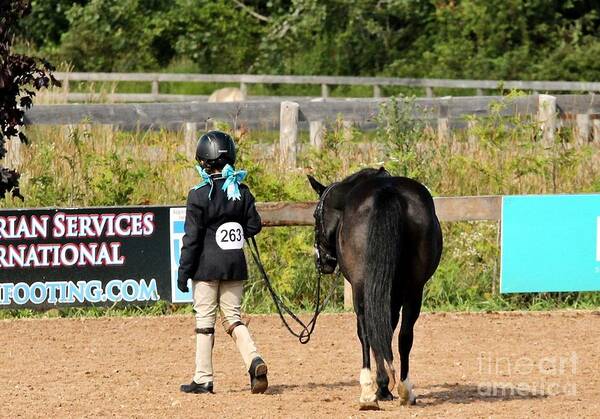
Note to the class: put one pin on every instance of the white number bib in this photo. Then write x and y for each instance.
(230, 236)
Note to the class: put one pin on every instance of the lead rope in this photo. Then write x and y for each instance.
(307, 328)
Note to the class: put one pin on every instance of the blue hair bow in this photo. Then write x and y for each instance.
(233, 179)
(231, 185)
(206, 180)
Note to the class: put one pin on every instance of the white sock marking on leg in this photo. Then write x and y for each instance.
(407, 385)
(365, 377)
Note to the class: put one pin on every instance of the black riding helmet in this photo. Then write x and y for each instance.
(215, 149)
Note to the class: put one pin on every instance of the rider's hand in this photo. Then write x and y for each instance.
(182, 284)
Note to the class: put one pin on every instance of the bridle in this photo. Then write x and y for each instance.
(322, 251)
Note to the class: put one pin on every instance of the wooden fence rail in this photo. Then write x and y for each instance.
(362, 112)
(461, 208)
(324, 81)
(443, 114)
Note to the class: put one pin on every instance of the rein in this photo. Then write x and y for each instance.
(320, 227)
(307, 328)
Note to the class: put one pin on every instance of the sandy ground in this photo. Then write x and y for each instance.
(463, 365)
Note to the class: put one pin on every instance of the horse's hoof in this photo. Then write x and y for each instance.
(369, 405)
(384, 395)
(405, 392)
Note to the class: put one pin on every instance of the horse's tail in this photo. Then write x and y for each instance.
(381, 268)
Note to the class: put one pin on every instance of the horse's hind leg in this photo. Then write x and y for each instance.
(386, 374)
(368, 399)
(410, 314)
(383, 379)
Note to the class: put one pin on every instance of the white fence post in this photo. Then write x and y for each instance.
(155, 88)
(443, 124)
(244, 89)
(348, 303)
(317, 132)
(324, 91)
(347, 128)
(65, 85)
(288, 132)
(14, 155)
(443, 129)
(596, 130)
(376, 91)
(471, 136)
(190, 138)
(582, 132)
(546, 117)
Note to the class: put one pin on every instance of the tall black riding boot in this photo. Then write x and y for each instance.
(258, 376)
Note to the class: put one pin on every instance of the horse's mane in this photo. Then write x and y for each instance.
(343, 187)
(364, 174)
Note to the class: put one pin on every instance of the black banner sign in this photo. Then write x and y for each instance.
(86, 256)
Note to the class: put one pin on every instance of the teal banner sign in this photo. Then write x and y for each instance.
(550, 243)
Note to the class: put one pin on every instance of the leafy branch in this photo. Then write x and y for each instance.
(20, 77)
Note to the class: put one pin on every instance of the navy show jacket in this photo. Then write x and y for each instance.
(215, 230)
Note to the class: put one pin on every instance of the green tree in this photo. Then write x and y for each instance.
(117, 35)
(219, 38)
(512, 39)
(20, 77)
(47, 21)
(336, 37)
(502, 39)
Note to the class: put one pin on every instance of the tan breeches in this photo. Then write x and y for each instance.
(226, 297)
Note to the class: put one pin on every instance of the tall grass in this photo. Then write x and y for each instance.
(91, 166)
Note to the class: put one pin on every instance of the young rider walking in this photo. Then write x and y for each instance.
(220, 215)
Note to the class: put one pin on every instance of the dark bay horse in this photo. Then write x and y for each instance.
(384, 234)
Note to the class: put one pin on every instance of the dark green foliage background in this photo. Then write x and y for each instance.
(481, 39)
